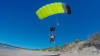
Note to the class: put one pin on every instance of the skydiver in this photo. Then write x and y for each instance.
(52, 35)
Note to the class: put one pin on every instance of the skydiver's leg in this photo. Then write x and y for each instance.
(50, 43)
(54, 42)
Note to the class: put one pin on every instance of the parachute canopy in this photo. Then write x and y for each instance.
(51, 9)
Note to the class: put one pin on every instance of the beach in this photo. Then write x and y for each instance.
(22, 52)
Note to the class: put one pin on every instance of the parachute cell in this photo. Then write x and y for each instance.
(51, 9)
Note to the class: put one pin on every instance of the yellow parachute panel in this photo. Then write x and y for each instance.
(50, 9)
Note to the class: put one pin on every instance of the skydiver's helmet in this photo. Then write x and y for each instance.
(52, 29)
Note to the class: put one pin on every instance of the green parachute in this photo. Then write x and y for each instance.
(52, 9)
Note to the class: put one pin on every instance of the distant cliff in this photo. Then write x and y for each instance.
(3, 45)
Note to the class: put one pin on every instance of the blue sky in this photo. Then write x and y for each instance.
(20, 26)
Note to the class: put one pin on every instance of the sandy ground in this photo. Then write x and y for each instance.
(21, 52)
(90, 51)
